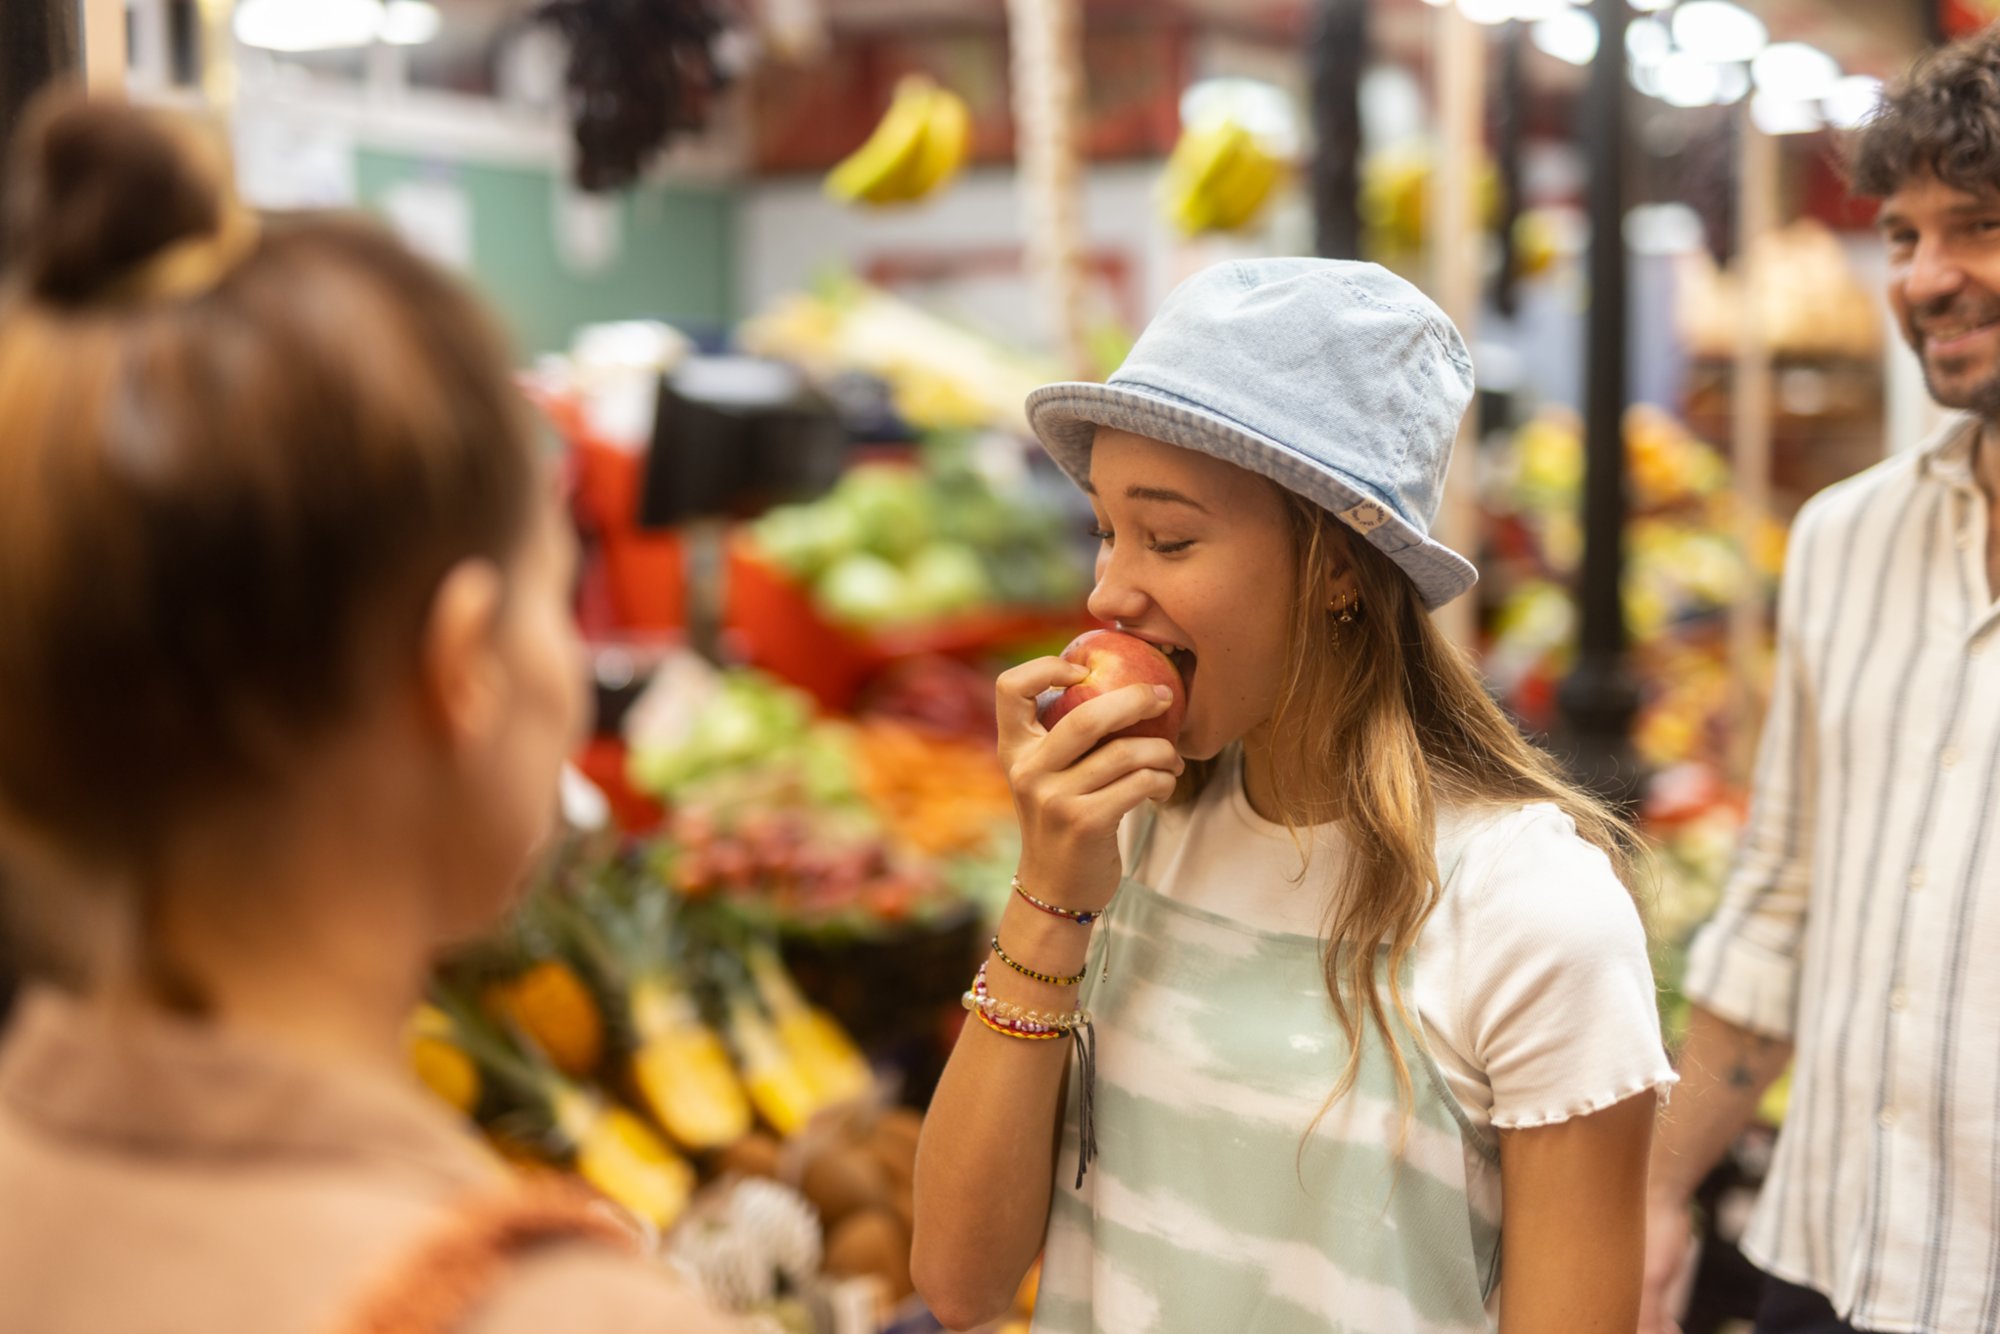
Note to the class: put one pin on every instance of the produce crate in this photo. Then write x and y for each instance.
(774, 625)
(770, 622)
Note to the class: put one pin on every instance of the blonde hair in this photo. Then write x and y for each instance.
(1377, 730)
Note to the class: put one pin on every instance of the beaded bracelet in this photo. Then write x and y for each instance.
(1013, 1014)
(1080, 1031)
(1067, 914)
(1006, 1029)
(978, 998)
(1049, 978)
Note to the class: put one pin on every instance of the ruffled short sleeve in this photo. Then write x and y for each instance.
(1549, 1008)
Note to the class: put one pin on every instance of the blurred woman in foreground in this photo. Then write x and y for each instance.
(286, 678)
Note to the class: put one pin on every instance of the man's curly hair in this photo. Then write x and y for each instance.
(1942, 119)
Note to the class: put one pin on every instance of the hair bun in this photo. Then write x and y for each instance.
(97, 187)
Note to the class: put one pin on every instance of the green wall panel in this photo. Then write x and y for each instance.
(675, 257)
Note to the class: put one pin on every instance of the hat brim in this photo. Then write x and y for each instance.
(1065, 418)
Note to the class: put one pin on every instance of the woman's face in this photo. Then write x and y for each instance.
(512, 772)
(1196, 555)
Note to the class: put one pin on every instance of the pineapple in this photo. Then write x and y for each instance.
(614, 1151)
(439, 1061)
(682, 1070)
(621, 1157)
(782, 1089)
(551, 1006)
(678, 1065)
(833, 1065)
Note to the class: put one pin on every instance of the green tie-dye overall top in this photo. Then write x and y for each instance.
(1217, 1205)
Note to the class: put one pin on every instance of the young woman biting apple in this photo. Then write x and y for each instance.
(1375, 1039)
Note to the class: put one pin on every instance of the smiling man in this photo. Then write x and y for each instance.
(1858, 931)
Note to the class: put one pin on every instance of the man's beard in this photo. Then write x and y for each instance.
(1981, 398)
(1970, 308)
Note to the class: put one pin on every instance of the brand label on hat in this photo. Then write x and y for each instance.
(1365, 518)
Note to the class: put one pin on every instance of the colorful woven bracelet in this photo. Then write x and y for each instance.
(1014, 1031)
(978, 998)
(1049, 978)
(1067, 914)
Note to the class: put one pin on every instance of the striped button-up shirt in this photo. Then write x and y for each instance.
(1862, 920)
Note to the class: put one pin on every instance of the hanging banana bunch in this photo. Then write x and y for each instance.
(1227, 163)
(917, 147)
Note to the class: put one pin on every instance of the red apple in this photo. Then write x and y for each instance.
(1113, 660)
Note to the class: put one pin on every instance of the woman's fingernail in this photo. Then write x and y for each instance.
(1162, 694)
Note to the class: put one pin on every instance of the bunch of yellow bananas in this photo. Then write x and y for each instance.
(1218, 177)
(919, 144)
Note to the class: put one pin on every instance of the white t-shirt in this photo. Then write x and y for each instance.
(1532, 985)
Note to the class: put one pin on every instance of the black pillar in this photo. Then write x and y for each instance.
(38, 42)
(1338, 47)
(1507, 111)
(1599, 698)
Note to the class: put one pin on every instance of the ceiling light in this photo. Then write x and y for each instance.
(1487, 11)
(1571, 36)
(1795, 71)
(1853, 100)
(411, 22)
(1778, 115)
(1650, 6)
(1732, 83)
(1647, 41)
(307, 25)
(1686, 80)
(1717, 30)
(1264, 109)
(1646, 78)
(1534, 11)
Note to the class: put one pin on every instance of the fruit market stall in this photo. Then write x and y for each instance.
(725, 1010)
(1684, 572)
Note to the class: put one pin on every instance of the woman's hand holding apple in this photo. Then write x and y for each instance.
(1072, 786)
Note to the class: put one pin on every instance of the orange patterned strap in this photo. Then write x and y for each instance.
(437, 1285)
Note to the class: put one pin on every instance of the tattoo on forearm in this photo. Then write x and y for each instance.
(1743, 1074)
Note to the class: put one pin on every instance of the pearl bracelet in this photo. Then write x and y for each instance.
(985, 1003)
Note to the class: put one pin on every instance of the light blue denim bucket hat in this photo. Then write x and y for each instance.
(1336, 380)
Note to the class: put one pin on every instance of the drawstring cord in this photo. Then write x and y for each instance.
(1086, 1099)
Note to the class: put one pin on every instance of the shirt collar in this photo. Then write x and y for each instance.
(1947, 455)
(157, 1085)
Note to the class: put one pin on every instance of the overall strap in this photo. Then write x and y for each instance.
(437, 1285)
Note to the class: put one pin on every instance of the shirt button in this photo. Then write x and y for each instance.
(1917, 878)
(1899, 999)
(1887, 1118)
(1948, 757)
